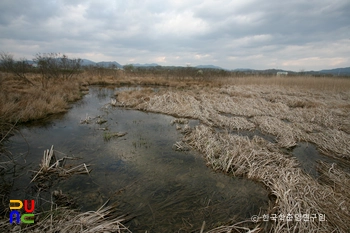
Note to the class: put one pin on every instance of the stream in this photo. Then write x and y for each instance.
(156, 188)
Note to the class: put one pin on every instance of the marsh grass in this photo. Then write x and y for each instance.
(299, 82)
(293, 109)
(62, 219)
(313, 113)
(295, 191)
(22, 103)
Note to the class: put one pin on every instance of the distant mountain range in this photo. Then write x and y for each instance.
(145, 65)
(108, 64)
(105, 64)
(337, 71)
(86, 62)
(209, 67)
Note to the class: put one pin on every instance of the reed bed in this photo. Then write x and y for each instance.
(287, 135)
(291, 115)
(240, 108)
(22, 103)
(336, 177)
(297, 82)
(292, 109)
(295, 191)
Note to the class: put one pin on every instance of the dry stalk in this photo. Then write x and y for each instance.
(290, 114)
(295, 191)
(47, 159)
(67, 220)
(51, 165)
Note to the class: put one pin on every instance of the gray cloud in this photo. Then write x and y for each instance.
(232, 34)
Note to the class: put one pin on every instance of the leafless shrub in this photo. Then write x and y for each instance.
(19, 68)
(55, 65)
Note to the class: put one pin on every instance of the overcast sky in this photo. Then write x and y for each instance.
(259, 34)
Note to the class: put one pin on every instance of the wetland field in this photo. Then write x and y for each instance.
(133, 152)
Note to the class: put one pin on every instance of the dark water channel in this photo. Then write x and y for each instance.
(157, 188)
(308, 156)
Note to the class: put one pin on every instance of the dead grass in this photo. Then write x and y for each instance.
(21, 103)
(50, 165)
(284, 110)
(292, 109)
(60, 219)
(295, 191)
(298, 82)
(66, 220)
(324, 124)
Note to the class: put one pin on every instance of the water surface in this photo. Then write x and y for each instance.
(156, 188)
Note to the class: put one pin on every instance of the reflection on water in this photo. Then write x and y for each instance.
(159, 189)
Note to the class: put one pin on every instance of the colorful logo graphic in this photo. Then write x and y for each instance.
(27, 217)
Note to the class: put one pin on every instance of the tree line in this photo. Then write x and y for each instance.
(48, 65)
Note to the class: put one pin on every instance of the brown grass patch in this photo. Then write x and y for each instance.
(66, 220)
(292, 109)
(290, 114)
(289, 125)
(295, 192)
(298, 82)
(22, 103)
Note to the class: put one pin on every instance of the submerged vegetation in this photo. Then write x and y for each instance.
(288, 109)
(108, 135)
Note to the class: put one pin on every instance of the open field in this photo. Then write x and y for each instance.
(288, 109)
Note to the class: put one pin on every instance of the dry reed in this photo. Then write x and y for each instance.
(21, 103)
(245, 108)
(295, 191)
(66, 220)
(291, 115)
(51, 165)
(292, 109)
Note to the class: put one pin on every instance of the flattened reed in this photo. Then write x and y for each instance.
(289, 114)
(295, 191)
(291, 108)
(261, 107)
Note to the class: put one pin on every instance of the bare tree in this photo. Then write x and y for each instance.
(55, 65)
(129, 67)
(19, 68)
